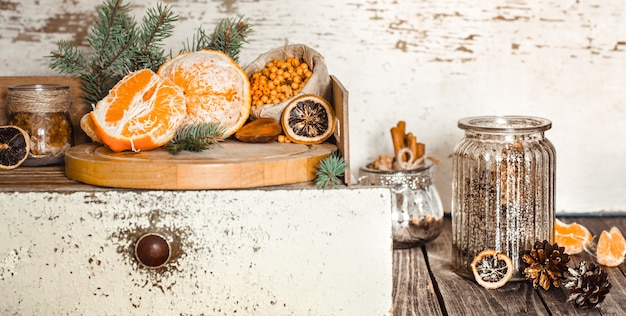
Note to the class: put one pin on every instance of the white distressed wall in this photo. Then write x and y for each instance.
(427, 62)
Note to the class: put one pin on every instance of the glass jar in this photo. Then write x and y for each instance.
(42, 110)
(502, 188)
(416, 210)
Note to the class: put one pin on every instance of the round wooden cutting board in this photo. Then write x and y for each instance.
(233, 165)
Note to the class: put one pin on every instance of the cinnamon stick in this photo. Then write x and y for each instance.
(397, 137)
(420, 150)
(401, 125)
(411, 143)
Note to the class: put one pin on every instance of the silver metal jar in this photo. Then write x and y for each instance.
(503, 188)
(416, 210)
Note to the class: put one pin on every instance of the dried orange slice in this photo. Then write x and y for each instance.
(308, 119)
(492, 269)
(216, 88)
(141, 112)
(14, 147)
(611, 248)
(574, 237)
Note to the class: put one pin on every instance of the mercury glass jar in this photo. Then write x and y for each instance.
(42, 110)
(502, 188)
(416, 210)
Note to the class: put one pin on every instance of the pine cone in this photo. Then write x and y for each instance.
(547, 264)
(588, 285)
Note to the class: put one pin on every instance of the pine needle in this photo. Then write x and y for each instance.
(228, 37)
(330, 170)
(196, 137)
(117, 46)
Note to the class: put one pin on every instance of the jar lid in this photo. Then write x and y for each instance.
(38, 87)
(505, 124)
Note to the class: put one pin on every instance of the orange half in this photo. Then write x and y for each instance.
(141, 112)
(216, 88)
(611, 248)
(574, 237)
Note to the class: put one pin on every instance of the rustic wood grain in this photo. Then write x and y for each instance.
(413, 290)
(413, 293)
(465, 297)
(37, 179)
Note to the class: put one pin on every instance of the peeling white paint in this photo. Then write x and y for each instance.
(428, 62)
(249, 252)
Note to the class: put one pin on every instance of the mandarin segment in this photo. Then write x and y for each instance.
(611, 248)
(574, 237)
(216, 88)
(141, 112)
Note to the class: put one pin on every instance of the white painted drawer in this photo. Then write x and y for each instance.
(243, 252)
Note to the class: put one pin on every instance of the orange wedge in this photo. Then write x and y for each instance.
(611, 248)
(574, 237)
(216, 88)
(141, 112)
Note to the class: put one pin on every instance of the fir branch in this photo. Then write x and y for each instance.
(330, 170)
(196, 137)
(111, 39)
(117, 46)
(157, 26)
(228, 37)
(200, 40)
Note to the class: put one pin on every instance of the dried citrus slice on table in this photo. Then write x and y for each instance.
(492, 269)
(574, 237)
(141, 112)
(308, 119)
(14, 147)
(611, 248)
(216, 88)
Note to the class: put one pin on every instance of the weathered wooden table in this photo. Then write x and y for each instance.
(424, 284)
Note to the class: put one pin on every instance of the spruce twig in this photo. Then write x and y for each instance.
(228, 37)
(157, 26)
(117, 46)
(330, 170)
(196, 137)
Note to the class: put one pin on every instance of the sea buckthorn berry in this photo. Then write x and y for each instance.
(279, 80)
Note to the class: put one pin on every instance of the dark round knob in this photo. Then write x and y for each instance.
(152, 250)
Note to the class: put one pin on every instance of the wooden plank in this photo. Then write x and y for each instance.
(413, 290)
(342, 135)
(37, 179)
(465, 297)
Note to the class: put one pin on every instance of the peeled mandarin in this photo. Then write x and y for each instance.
(611, 248)
(574, 237)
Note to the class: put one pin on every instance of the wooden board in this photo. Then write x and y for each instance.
(233, 165)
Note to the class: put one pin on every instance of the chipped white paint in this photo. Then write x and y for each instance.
(427, 62)
(247, 252)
